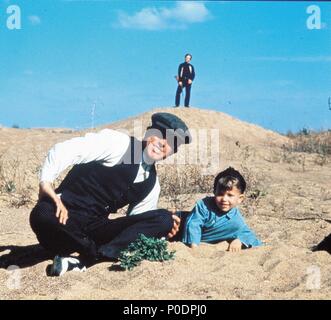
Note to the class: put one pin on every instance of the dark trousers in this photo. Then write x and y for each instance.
(324, 245)
(94, 236)
(187, 94)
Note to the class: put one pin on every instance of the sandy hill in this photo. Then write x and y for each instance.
(230, 128)
(288, 205)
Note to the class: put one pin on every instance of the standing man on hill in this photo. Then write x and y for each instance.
(110, 170)
(185, 78)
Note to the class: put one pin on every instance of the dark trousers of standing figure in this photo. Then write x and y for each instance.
(187, 94)
(94, 236)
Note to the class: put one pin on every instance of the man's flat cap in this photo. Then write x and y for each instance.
(170, 124)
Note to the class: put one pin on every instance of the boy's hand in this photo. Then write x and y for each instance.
(189, 81)
(235, 246)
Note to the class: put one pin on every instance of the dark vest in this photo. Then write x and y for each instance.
(101, 189)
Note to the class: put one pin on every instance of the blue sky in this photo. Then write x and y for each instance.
(256, 61)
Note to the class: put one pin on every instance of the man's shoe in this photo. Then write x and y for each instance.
(63, 264)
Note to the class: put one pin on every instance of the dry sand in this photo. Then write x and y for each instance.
(290, 217)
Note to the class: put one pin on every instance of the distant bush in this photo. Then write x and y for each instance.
(183, 180)
(13, 182)
(179, 183)
(15, 126)
(304, 132)
(310, 142)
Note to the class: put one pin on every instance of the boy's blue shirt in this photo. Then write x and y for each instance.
(207, 224)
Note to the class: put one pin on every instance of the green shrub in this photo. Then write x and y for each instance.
(144, 248)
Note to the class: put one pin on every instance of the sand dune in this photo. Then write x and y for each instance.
(290, 214)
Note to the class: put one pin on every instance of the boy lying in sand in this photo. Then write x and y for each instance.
(215, 219)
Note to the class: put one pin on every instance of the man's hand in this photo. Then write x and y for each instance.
(189, 81)
(180, 83)
(175, 227)
(61, 212)
(235, 246)
(46, 188)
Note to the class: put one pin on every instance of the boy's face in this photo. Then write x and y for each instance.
(228, 199)
(188, 58)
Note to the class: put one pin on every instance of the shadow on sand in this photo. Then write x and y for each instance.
(23, 256)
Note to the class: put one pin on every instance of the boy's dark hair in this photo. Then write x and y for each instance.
(188, 54)
(228, 179)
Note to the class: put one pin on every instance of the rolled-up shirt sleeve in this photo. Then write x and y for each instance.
(194, 223)
(107, 146)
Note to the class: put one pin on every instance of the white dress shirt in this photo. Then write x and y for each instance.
(107, 146)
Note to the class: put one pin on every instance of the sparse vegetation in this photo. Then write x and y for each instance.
(13, 182)
(180, 182)
(304, 148)
(310, 142)
(255, 188)
(315, 143)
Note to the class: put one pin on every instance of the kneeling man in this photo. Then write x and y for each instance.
(110, 170)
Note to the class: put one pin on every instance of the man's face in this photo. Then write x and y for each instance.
(157, 148)
(188, 58)
(228, 199)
